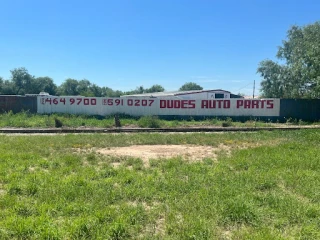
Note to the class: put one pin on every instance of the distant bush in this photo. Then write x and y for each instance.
(149, 122)
(227, 122)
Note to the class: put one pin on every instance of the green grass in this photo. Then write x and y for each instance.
(59, 187)
(28, 120)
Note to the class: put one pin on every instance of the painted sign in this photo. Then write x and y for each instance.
(142, 106)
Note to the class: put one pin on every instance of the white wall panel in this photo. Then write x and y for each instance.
(143, 106)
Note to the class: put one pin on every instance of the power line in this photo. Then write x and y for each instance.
(244, 86)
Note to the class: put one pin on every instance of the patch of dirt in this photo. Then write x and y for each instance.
(292, 194)
(145, 205)
(2, 191)
(116, 164)
(147, 152)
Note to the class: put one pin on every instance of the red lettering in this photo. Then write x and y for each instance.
(184, 104)
(176, 104)
(212, 104)
(144, 102)
(129, 102)
(269, 103)
(247, 103)
(239, 103)
(192, 103)
(86, 101)
(255, 103)
(63, 100)
(163, 104)
(219, 103)
(215, 104)
(226, 104)
(150, 102)
(169, 104)
(48, 100)
(79, 101)
(204, 104)
(110, 102)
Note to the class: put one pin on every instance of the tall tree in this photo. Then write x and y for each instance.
(95, 91)
(69, 87)
(299, 76)
(22, 81)
(190, 86)
(108, 92)
(44, 84)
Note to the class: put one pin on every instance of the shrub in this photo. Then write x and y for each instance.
(57, 123)
(149, 122)
(227, 122)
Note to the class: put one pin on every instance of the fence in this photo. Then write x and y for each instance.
(243, 109)
(143, 106)
(304, 109)
(18, 103)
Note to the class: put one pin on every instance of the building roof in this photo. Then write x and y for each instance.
(173, 93)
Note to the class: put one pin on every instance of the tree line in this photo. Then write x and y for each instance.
(298, 73)
(22, 82)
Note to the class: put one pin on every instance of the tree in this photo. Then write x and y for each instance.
(108, 92)
(138, 90)
(190, 86)
(22, 81)
(95, 90)
(83, 87)
(299, 76)
(44, 84)
(69, 87)
(73, 87)
(154, 88)
(7, 88)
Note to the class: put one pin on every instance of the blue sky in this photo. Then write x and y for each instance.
(123, 44)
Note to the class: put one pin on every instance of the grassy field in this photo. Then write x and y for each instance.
(262, 185)
(28, 120)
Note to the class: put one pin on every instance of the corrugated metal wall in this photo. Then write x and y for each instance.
(18, 103)
(304, 109)
(139, 106)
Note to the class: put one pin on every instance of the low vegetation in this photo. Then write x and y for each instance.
(262, 185)
(28, 120)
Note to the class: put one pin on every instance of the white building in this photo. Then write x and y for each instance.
(194, 94)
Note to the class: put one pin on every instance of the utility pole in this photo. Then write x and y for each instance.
(254, 85)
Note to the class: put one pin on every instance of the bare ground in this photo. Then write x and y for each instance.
(147, 152)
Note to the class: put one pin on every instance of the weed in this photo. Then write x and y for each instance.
(57, 123)
(149, 121)
(27, 120)
(268, 190)
(227, 123)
